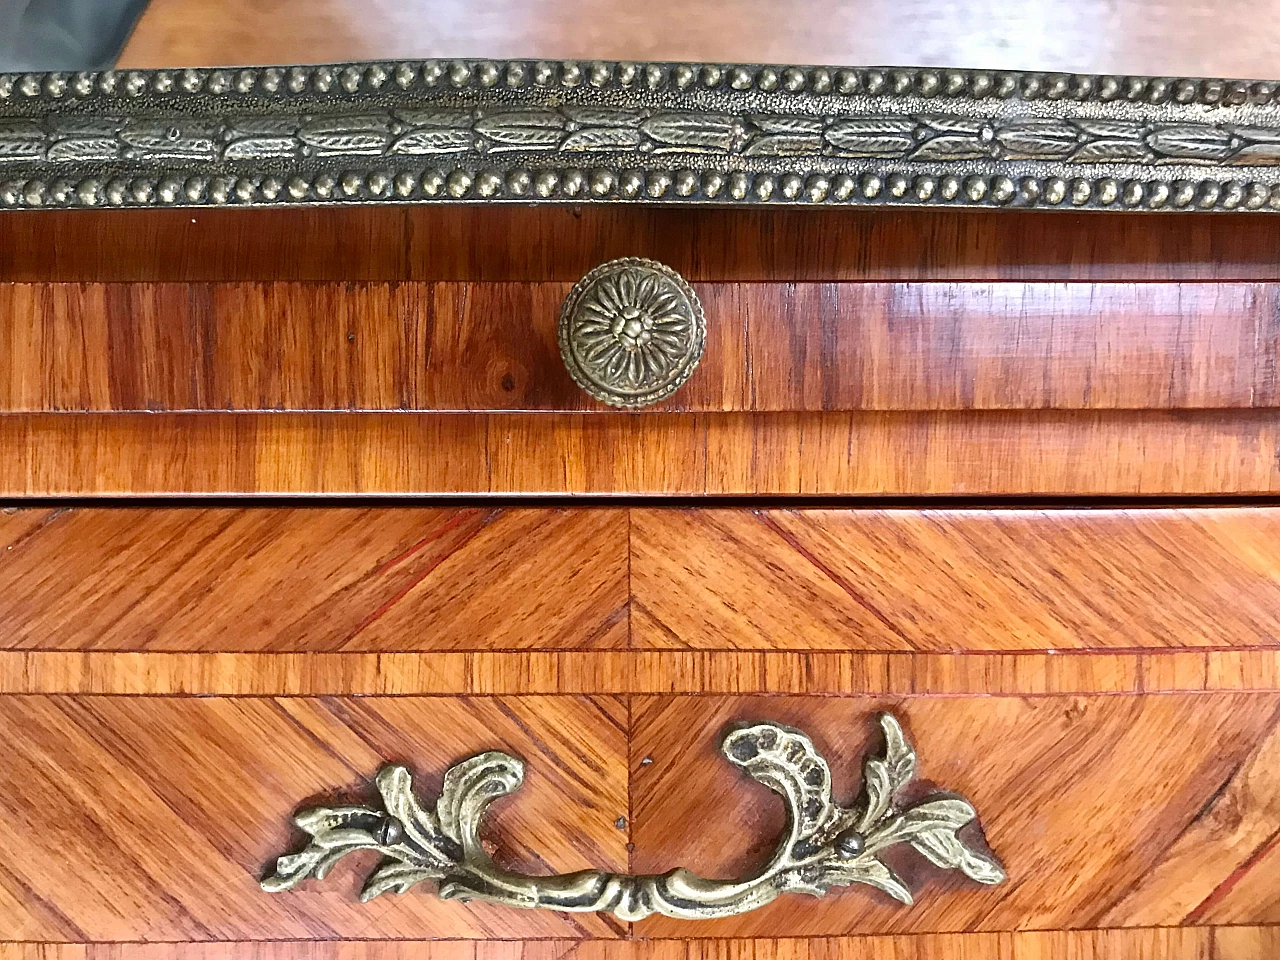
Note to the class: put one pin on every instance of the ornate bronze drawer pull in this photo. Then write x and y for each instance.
(631, 332)
(824, 845)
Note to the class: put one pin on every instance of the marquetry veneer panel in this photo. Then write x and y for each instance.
(153, 819)
(541, 582)
(1107, 811)
(939, 580)
(319, 579)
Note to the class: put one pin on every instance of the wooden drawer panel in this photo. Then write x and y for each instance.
(153, 818)
(770, 347)
(955, 580)
(853, 352)
(352, 580)
(1103, 684)
(1138, 811)
(170, 807)
(315, 580)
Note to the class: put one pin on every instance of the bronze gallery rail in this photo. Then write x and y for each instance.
(824, 845)
(542, 131)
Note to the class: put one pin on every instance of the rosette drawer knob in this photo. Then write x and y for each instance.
(631, 332)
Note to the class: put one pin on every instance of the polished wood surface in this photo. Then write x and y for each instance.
(770, 347)
(169, 809)
(1188, 37)
(1104, 684)
(1100, 816)
(315, 580)
(1164, 943)
(560, 243)
(984, 390)
(963, 580)
(376, 580)
(1126, 453)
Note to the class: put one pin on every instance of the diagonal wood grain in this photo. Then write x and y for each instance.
(770, 347)
(941, 580)
(1085, 799)
(313, 579)
(153, 818)
(994, 453)
(1218, 867)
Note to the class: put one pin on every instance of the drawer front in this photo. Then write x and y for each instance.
(1102, 685)
(417, 351)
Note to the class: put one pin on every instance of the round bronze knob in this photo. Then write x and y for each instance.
(631, 332)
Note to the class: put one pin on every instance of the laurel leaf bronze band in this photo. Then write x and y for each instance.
(824, 846)
(476, 130)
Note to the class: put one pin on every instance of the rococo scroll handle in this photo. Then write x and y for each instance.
(824, 845)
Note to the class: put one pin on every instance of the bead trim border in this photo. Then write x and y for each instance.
(430, 75)
(572, 132)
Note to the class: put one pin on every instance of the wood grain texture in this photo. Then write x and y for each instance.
(634, 672)
(1057, 453)
(1086, 800)
(953, 580)
(770, 347)
(315, 580)
(1167, 37)
(1167, 943)
(152, 818)
(560, 244)
(329, 580)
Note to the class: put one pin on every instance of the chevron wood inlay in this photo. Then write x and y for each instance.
(941, 580)
(1123, 583)
(1095, 805)
(324, 579)
(152, 819)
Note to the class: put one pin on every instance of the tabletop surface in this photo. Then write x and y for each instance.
(1228, 38)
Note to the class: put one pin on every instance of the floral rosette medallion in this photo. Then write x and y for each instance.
(631, 332)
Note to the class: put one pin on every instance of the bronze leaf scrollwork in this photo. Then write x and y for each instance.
(824, 845)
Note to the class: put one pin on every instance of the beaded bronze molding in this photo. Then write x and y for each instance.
(823, 846)
(542, 131)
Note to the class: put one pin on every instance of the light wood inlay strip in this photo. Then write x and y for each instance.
(635, 672)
